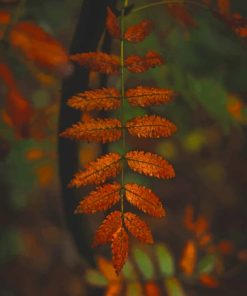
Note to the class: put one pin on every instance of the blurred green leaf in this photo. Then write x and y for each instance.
(207, 264)
(95, 278)
(144, 263)
(165, 260)
(128, 271)
(174, 287)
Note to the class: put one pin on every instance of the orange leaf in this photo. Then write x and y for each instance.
(152, 289)
(188, 260)
(145, 96)
(138, 228)
(97, 99)
(224, 6)
(95, 130)
(150, 164)
(112, 24)
(105, 266)
(98, 171)
(209, 281)
(138, 32)
(98, 62)
(150, 126)
(38, 46)
(114, 281)
(100, 200)
(120, 249)
(108, 227)
(180, 13)
(144, 199)
(138, 64)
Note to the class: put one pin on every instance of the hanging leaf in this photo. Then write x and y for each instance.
(165, 260)
(98, 62)
(150, 126)
(138, 228)
(138, 64)
(97, 99)
(101, 199)
(112, 24)
(108, 227)
(120, 248)
(189, 256)
(144, 199)
(148, 96)
(149, 164)
(95, 130)
(138, 32)
(98, 171)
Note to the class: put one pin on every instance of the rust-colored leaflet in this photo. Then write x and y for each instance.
(100, 200)
(95, 130)
(138, 32)
(138, 228)
(98, 62)
(151, 126)
(112, 24)
(147, 96)
(108, 227)
(150, 164)
(98, 171)
(97, 99)
(144, 199)
(138, 64)
(120, 248)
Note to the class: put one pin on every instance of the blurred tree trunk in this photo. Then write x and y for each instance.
(86, 38)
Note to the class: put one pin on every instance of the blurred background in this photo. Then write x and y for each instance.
(200, 246)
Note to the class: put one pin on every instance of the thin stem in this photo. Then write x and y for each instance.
(158, 3)
(125, 3)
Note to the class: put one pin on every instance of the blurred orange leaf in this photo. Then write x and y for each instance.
(39, 46)
(45, 175)
(181, 14)
(152, 289)
(225, 247)
(34, 154)
(189, 257)
(224, 6)
(209, 281)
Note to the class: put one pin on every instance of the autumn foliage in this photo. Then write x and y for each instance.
(117, 225)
